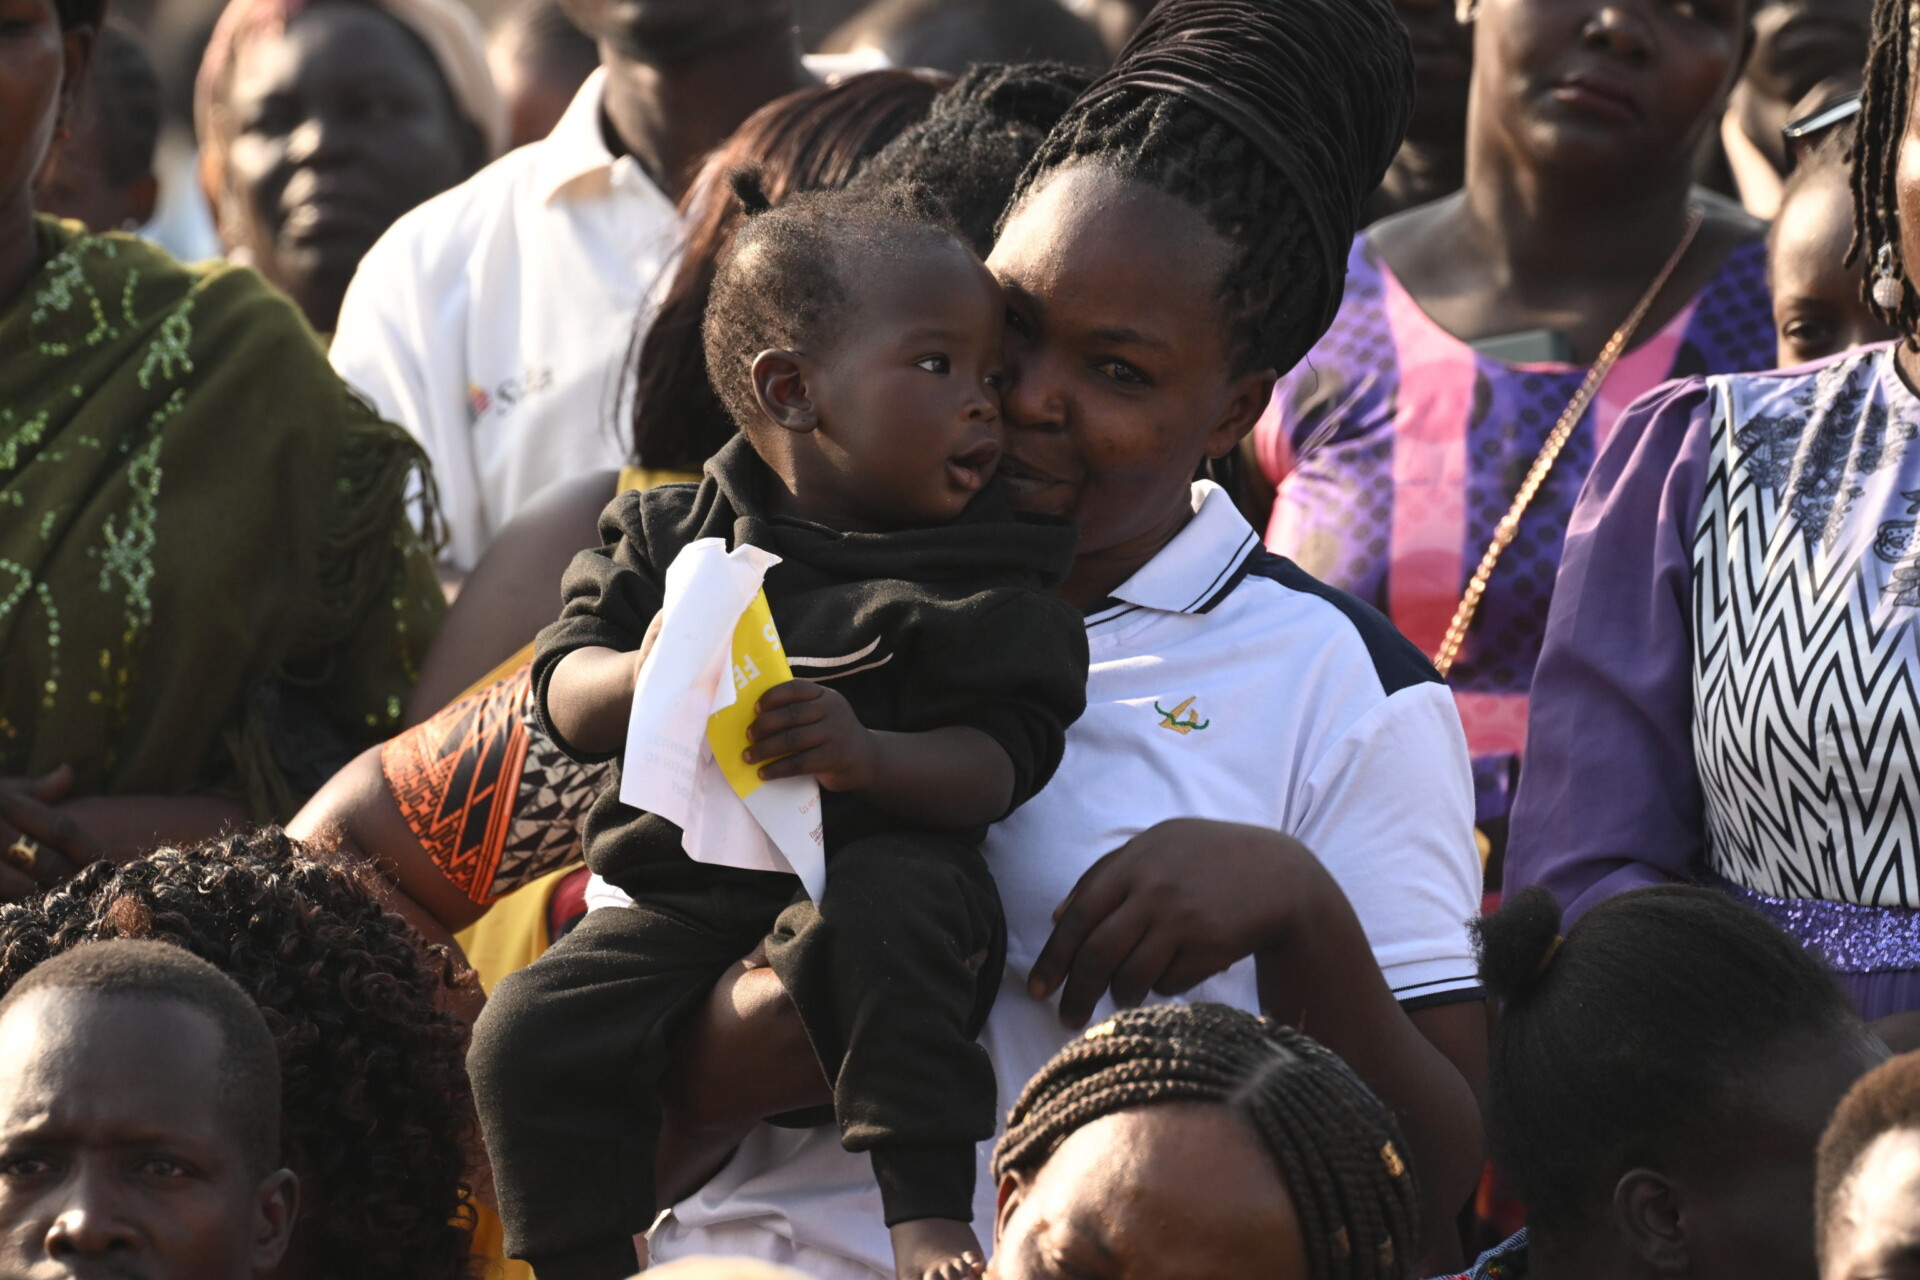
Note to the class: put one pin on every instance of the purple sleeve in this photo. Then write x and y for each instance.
(1609, 797)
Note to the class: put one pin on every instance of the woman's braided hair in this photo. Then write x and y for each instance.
(1338, 1149)
(1275, 121)
(1881, 125)
(376, 1112)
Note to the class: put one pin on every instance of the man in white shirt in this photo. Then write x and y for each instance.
(494, 320)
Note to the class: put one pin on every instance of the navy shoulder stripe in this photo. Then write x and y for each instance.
(1395, 659)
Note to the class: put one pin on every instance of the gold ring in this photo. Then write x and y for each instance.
(24, 853)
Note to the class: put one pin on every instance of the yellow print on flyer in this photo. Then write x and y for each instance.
(757, 664)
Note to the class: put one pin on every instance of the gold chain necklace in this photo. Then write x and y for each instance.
(1509, 526)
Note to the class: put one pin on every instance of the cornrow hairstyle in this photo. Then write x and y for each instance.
(783, 282)
(971, 149)
(1275, 121)
(1339, 1151)
(808, 140)
(376, 1112)
(158, 973)
(1878, 129)
(1626, 1042)
(1883, 1101)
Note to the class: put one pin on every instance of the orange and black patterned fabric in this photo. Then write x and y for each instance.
(491, 799)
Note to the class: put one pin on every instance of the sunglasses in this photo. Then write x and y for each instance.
(1804, 134)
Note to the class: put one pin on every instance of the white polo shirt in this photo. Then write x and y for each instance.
(1225, 683)
(493, 321)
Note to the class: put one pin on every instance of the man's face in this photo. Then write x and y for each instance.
(119, 1158)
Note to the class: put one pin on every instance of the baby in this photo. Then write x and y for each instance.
(857, 342)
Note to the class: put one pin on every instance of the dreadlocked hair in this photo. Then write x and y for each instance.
(376, 1113)
(1342, 1157)
(1268, 290)
(1876, 158)
(979, 136)
(782, 283)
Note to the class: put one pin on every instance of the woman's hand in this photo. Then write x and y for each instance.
(1175, 905)
(40, 844)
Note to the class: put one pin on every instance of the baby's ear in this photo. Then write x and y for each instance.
(780, 384)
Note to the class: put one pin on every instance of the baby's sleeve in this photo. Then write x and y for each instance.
(1015, 668)
(609, 596)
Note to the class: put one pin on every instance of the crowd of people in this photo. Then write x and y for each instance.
(1348, 570)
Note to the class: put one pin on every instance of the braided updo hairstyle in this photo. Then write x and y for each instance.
(975, 142)
(1275, 121)
(782, 283)
(1626, 1042)
(1876, 159)
(1342, 1157)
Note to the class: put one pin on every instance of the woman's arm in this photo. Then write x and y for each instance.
(1185, 899)
(356, 812)
(1611, 712)
(513, 591)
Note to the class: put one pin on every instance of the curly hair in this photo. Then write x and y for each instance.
(376, 1113)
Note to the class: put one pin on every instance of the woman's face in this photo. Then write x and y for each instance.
(1604, 87)
(39, 67)
(1118, 355)
(337, 127)
(1181, 1191)
(1817, 309)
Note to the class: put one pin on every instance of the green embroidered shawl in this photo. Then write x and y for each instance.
(199, 526)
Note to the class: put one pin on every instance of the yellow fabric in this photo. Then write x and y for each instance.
(513, 932)
(490, 1246)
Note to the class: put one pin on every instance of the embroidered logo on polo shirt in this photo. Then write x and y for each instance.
(1171, 719)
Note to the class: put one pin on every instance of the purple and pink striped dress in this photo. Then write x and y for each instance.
(1396, 448)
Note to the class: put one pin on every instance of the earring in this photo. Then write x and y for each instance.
(1889, 290)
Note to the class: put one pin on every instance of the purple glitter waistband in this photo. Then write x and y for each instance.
(1849, 937)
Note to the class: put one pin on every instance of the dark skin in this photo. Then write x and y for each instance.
(683, 74)
(1907, 187)
(41, 68)
(1178, 1191)
(1741, 1212)
(1873, 1229)
(1122, 383)
(894, 423)
(1584, 120)
(1432, 161)
(890, 422)
(119, 1156)
(1817, 307)
(1797, 44)
(334, 129)
(78, 183)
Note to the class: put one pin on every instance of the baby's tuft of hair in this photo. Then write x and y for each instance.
(749, 184)
(784, 281)
(1515, 943)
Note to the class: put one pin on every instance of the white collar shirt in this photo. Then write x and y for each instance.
(494, 320)
(1225, 683)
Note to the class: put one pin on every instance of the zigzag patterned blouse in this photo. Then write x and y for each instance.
(1727, 688)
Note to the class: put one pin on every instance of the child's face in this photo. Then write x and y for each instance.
(1817, 308)
(908, 394)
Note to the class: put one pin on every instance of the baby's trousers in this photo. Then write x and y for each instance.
(569, 1054)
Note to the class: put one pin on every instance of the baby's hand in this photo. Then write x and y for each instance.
(804, 728)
